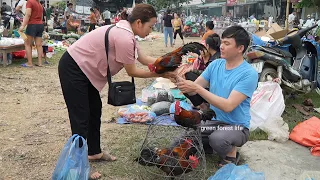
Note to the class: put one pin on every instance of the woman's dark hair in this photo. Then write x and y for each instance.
(91, 9)
(214, 42)
(144, 12)
(210, 25)
(70, 4)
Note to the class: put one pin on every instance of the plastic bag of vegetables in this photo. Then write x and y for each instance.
(137, 114)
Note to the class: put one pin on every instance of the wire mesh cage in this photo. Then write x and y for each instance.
(173, 152)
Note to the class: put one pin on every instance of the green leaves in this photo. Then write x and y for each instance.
(309, 3)
(61, 5)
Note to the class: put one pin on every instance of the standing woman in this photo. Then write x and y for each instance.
(209, 31)
(167, 30)
(93, 20)
(33, 21)
(177, 26)
(83, 72)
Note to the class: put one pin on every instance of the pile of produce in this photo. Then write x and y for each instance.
(69, 42)
(137, 114)
(160, 103)
(71, 35)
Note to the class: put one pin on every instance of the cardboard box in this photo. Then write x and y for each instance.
(263, 33)
(274, 28)
(274, 32)
(279, 34)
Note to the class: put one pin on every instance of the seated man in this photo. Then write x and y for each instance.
(231, 81)
(72, 25)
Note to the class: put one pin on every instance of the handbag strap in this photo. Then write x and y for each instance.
(107, 50)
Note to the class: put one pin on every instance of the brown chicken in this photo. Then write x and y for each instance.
(191, 118)
(171, 61)
(173, 161)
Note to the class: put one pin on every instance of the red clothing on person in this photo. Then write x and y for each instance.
(36, 13)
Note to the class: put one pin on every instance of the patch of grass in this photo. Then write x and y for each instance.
(125, 143)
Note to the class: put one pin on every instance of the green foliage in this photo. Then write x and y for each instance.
(61, 5)
(309, 3)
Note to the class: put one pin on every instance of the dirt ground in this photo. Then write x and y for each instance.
(34, 124)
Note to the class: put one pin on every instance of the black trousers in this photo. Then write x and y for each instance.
(178, 31)
(107, 22)
(92, 27)
(83, 102)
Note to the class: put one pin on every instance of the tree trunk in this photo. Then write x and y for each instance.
(274, 10)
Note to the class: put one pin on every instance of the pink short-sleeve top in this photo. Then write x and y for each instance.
(89, 52)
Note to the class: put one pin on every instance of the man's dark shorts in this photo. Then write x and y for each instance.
(35, 30)
(45, 49)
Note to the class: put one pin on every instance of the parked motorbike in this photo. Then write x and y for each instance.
(296, 68)
(11, 20)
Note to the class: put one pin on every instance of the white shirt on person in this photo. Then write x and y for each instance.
(291, 18)
(22, 4)
(106, 14)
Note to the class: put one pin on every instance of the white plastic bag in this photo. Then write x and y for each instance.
(34, 53)
(267, 102)
(276, 129)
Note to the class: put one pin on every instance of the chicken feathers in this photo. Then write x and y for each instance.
(191, 119)
(171, 61)
(173, 161)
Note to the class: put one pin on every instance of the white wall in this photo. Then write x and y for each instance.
(10, 2)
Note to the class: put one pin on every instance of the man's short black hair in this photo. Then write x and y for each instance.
(239, 34)
(4, 3)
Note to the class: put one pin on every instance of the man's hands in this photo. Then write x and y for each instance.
(186, 86)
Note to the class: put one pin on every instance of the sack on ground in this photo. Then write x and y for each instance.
(267, 102)
(277, 129)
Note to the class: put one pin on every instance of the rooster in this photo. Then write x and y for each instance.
(173, 161)
(171, 61)
(191, 118)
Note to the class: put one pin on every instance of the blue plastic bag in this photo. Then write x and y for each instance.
(232, 172)
(256, 40)
(73, 163)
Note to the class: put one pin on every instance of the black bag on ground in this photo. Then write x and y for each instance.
(120, 93)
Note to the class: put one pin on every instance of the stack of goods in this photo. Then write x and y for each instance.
(137, 114)
(71, 35)
(161, 101)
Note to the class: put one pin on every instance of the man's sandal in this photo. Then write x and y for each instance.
(227, 160)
